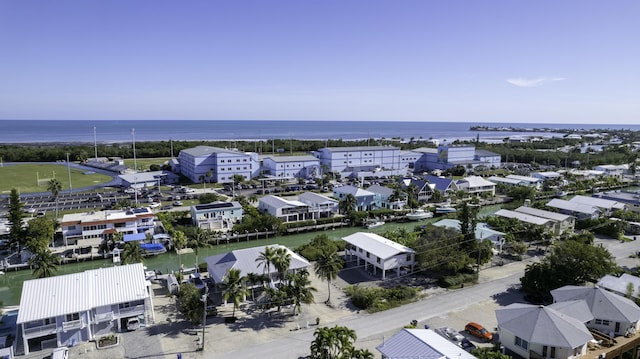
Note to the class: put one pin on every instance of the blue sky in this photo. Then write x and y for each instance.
(474, 61)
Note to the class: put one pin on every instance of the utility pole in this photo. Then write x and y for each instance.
(69, 171)
(95, 144)
(135, 166)
(205, 297)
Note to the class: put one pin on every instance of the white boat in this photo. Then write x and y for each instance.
(419, 214)
(444, 210)
(371, 225)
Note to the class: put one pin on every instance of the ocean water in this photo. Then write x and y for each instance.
(56, 131)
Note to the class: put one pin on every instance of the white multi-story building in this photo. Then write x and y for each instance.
(287, 210)
(94, 227)
(218, 216)
(362, 161)
(69, 309)
(379, 253)
(291, 166)
(320, 206)
(222, 164)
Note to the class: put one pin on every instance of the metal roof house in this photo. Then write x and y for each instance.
(244, 260)
(364, 198)
(68, 309)
(631, 199)
(605, 206)
(482, 232)
(382, 198)
(217, 216)
(420, 343)
(319, 206)
(561, 222)
(377, 252)
(624, 285)
(476, 185)
(148, 179)
(285, 209)
(579, 210)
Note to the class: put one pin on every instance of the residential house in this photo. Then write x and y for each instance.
(483, 231)
(284, 209)
(562, 223)
(378, 253)
(217, 216)
(422, 188)
(539, 332)
(476, 185)
(578, 210)
(617, 171)
(546, 223)
(362, 161)
(613, 314)
(625, 285)
(246, 261)
(90, 229)
(631, 199)
(444, 185)
(606, 207)
(221, 164)
(319, 206)
(364, 198)
(506, 182)
(547, 175)
(65, 310)
(383, 198)
(420, 343)
(305, 166)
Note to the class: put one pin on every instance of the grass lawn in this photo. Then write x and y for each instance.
(24, 177)
(144, 163)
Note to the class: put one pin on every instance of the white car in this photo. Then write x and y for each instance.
(155, 205)
(30, 210)
(60, 353)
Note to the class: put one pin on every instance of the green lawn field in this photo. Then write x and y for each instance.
(144, 163)
(24, 177)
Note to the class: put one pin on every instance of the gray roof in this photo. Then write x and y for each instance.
(619, 284)
(78, 292)
(420, 343)
(376, 188)
(379, 246)
(522, 217)
(572, 206)
(542, 325)
(148, 176)
(355, 191)
(245, 261)
(543, 214)
(207, 150)
(312, 197)
(597, 202)
(602, 303)
(280, 202)
(574, 308)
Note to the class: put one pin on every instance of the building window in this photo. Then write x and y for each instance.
(602, 322)
(72, 317)
(368, 254)
(409, 257)
(522, 343)
(378, 260)
(552, 353)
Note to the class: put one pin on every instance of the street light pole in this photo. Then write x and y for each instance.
(204, 313)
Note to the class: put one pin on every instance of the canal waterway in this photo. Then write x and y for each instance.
(11, 282)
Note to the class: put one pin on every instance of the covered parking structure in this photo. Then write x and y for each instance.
(378, 252)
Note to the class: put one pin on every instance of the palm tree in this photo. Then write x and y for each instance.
(201, 178)
(253, 278)
(281, 261)
(132, 253)
(327, 268)
(348, 205)
(234, 289)
(45, 263)
(54, 187)
(179, 241)
(199, 239)
(266, 258)
(300, 290)
(336, 342)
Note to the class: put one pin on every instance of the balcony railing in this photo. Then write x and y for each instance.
(41, 330)
(103, 317)
(132, 310)
(72, 324)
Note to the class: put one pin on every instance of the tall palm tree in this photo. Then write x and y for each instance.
(54, 186)
(327, 268)
(300, 290)
(234, 289)
(281, 261)
(266, 259)
(132, 253)
(348, 205)
(45, 263)
(199, 239)
(179, 241)
(252, 278)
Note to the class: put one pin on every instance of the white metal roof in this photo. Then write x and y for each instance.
(572, 206)
(279, 202)
(421, 343)
(377, 245)
(312, 197)
(597, 202)
(620, 284)
(476, 181)
(522, 217)
(497, 179)
(524, 178)
(74, 293)
(543, 214)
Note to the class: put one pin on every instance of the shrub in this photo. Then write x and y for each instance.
(458, 279)
(378, 299)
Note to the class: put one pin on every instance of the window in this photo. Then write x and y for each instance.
(409, 257)
(378, 260)
(522, 343)
(552, 354)
(368, 254)
(602, 322)
(71, 317)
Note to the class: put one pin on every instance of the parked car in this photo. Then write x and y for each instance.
(177, 203)
(154, 205)
(60, 353)
(478, 331)
(166, 207)
(133, 323)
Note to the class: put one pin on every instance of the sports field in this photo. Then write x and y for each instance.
(144, 163)
(24, 177)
